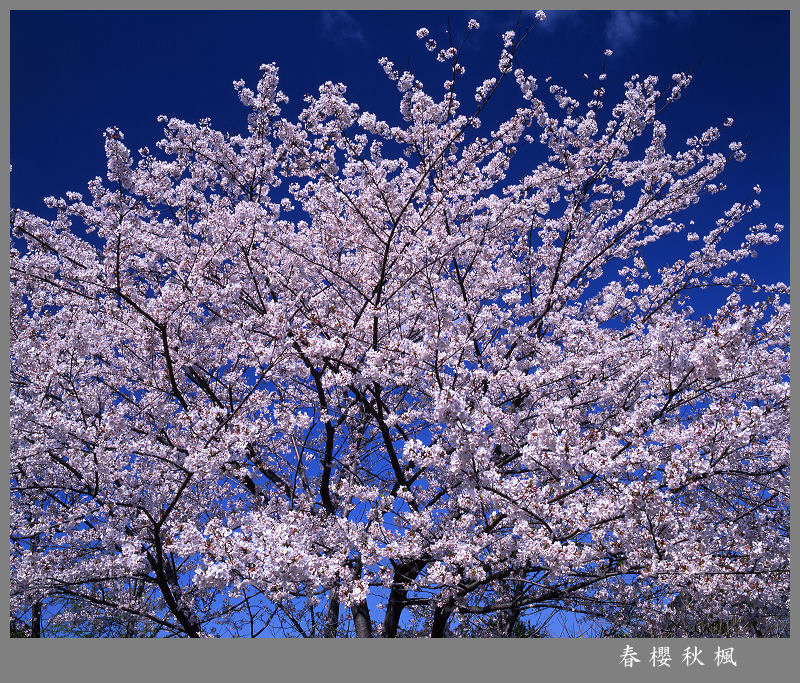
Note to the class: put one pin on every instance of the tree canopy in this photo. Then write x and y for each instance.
(339, 375)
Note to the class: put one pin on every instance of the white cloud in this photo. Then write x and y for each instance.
(625, 27)
(339, 26)
(557, 18)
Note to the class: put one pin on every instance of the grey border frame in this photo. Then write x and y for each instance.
(465, 661)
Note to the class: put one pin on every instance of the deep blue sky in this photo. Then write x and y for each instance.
(75, 73)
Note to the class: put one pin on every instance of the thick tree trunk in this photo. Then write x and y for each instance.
(403, 575)
(36, 620)
(394, 608)
(332, 618)
(360, 610)
(361, 620)
(36, 609)
(509, 619)
(440, 617)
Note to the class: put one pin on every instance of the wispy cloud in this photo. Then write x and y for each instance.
(557, 18)
(625, 27)
(680, 15)
(340, 27)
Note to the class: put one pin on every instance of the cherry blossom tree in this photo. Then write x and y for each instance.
(344, 376)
